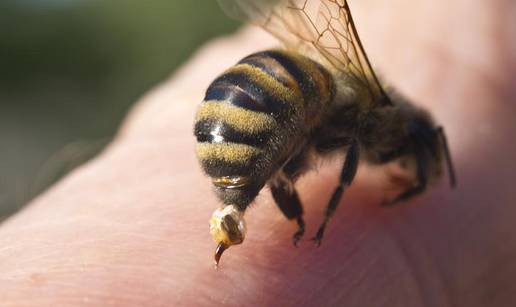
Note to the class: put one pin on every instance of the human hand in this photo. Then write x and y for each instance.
(130, 228)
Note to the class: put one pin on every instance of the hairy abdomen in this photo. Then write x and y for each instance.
(255, 115)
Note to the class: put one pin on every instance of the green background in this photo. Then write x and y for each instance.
(71, 69)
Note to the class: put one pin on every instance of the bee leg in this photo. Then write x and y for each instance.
(422, 157)
(287, 199)
(346, 177)
(447, 156)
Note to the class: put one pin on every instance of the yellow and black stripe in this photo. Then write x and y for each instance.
(240, 125)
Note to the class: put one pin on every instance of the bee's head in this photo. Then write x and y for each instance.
(428, 143)
(425, 140)
(227, 226)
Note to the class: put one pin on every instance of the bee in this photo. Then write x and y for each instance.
(266, 119)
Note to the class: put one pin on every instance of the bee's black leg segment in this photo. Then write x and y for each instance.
(346, 177)
(330, 209)
(300, 231)
(447, 156)
(287, 199)
(417, 189)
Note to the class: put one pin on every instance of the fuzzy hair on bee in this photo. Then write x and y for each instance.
(263, 120)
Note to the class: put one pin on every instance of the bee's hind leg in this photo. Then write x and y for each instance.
(287, 199)
(346, 177)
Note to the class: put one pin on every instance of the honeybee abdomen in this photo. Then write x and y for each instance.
(253, 112)
(309, 81)
(230, 139)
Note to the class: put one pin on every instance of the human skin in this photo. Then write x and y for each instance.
(130, 228)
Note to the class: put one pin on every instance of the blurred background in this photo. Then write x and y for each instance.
(71, 69)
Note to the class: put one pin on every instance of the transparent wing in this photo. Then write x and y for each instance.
(323, 27)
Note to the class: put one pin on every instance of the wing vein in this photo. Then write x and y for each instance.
(324, 29)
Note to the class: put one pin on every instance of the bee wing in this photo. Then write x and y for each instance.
(321, 27)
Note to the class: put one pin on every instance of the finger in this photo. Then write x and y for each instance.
(136, 219)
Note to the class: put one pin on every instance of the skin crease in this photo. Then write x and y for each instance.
(131, 227)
